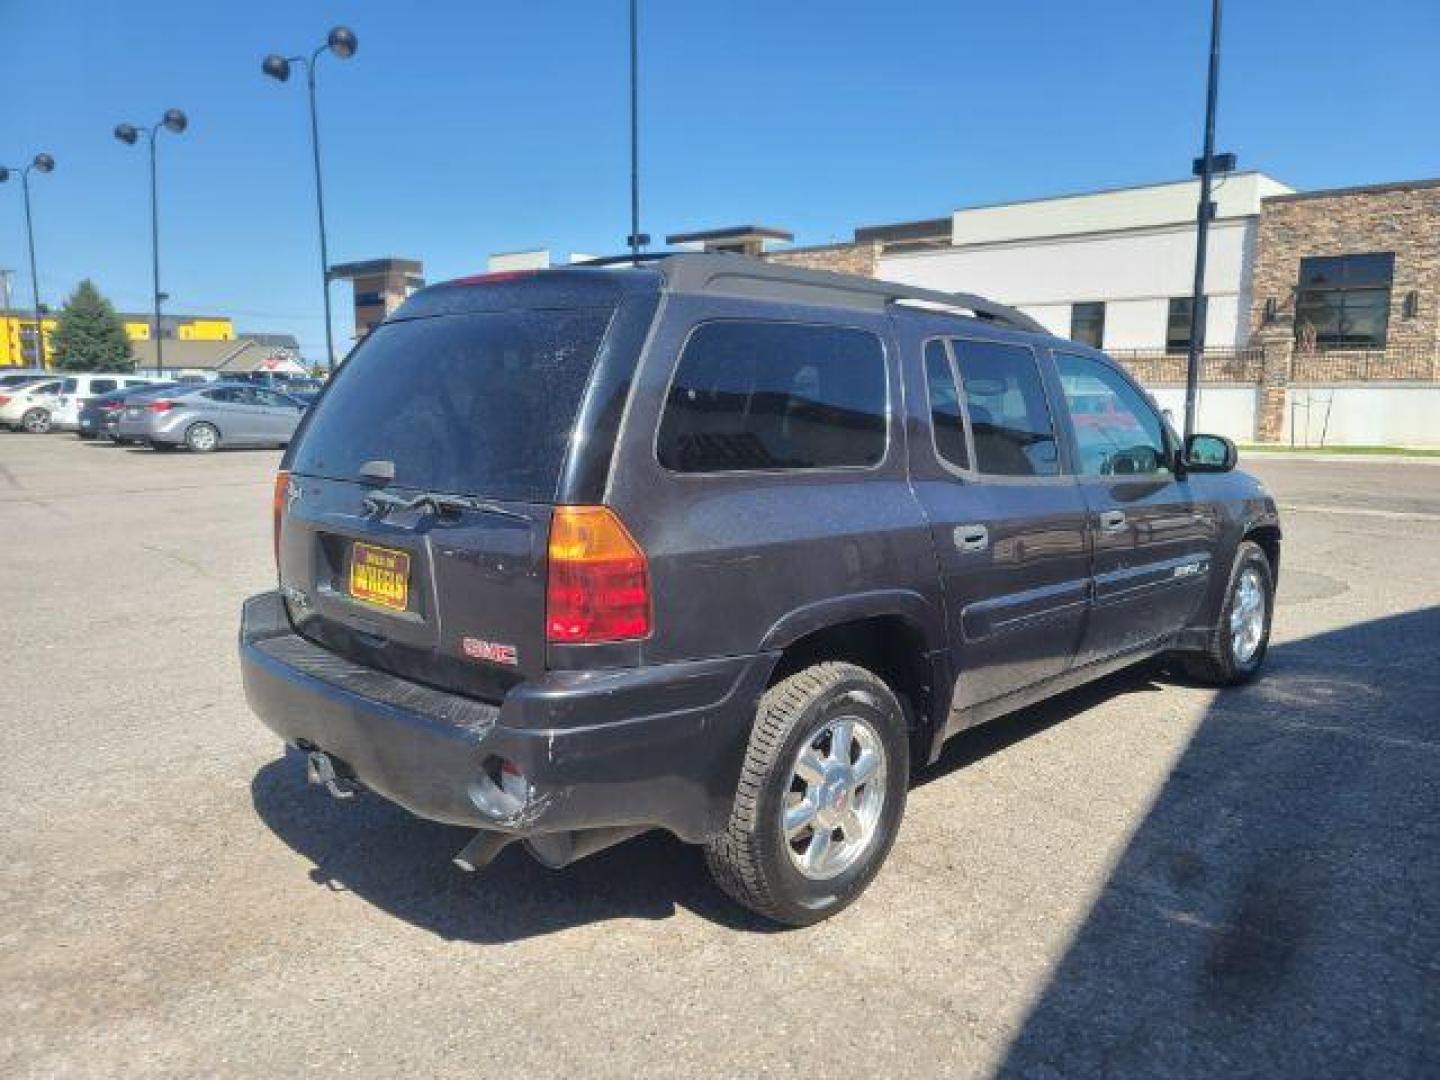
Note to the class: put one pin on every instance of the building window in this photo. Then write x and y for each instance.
(1087, 324)
(1344, 300)
(1178, 323)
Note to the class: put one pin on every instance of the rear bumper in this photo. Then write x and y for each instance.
(658, 746)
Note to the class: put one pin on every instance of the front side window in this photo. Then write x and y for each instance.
(1344, 300)
(769, 395)
(947, 420)
(69, 386)
(1009, 418)
(1116, 430)
(1087, 324)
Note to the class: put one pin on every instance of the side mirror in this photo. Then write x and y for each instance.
(1210, 453)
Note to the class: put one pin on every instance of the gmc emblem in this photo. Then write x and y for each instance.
(493, 651)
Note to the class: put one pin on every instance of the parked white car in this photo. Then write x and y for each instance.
(30, 406)
(77, 390)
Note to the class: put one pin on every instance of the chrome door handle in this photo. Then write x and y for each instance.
(972, 537)
(1112, 521)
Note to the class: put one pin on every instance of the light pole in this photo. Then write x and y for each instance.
(343, 43)
(174, 121)
(636, 240)
(45, 163)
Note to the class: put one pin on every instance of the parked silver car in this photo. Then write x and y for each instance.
(210, 415)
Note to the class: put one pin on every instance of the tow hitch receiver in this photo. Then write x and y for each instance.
(320, 769)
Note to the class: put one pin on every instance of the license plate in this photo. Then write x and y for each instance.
(380, 576)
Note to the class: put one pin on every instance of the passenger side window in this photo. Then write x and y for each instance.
(227, 394)
(1005, 399)
(1116, 430)
(947, 420)
(103, 386)
(771, 395)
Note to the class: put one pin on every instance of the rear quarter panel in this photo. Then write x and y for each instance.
(743, 561)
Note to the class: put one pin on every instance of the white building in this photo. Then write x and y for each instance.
(1113, 268)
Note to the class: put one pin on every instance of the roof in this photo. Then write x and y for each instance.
(390, 264)
(731, 232)
(243, 354)
(1362, 189)
(904, 231)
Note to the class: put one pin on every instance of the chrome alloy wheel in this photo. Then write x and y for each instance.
(831, 813)
(1247, 616)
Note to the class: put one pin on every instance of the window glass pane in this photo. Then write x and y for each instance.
(1177, 325)
(1116, 430)
(1087, 324)
(68, 386)
(1364, 317)
(754, 395)
(1008, 415)
(1322, 271)
(103, 386)
(1369, 271)
(945, 415)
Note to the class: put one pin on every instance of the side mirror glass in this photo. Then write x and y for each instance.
(1210, 453)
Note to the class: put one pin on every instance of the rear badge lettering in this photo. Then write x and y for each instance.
(1187, 569)
(494, 651)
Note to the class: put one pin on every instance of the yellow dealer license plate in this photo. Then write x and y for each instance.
(380, 576)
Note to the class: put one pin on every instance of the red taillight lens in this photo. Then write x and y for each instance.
(160, 406)
(277, 508)
(111, 406)
(598, 582)
(4, 399)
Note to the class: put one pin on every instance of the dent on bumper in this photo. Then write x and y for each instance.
(657, 746)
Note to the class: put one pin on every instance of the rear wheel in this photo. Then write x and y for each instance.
(820, 796)
(202, 437)
(36, 421)
(1242, 632)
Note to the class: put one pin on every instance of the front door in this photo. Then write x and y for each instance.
(1007, 519)
(1152, 538)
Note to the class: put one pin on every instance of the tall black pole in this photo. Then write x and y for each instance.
(155, 256)
(634, 128)
(34, 276)
(320, 210)
(1198, 305)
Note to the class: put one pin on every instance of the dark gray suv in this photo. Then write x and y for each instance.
(714, 546)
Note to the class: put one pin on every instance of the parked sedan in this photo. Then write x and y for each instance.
(29, 406)
(100, 415)
(207, 417)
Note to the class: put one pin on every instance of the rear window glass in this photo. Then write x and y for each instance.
(1008, 414)
(758, 395)
(479, 404)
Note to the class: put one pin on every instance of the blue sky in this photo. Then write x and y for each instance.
(466, 128)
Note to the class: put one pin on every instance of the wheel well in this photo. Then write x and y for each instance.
(888, 645)
(1268, 537)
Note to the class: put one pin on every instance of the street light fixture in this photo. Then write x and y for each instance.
(176, 122)
(41, 163)
(343, 43)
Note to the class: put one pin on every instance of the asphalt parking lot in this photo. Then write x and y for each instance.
(1142, 878)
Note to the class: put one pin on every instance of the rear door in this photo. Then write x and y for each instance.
(1152, 536)
(276, 414)
(479, 406)
(1007, 519)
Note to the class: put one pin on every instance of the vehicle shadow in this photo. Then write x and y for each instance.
(1278, 910)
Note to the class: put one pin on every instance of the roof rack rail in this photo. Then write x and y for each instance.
(630, 257)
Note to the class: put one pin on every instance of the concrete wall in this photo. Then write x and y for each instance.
(1220, 410)
(1135, 272)
(1363, 415)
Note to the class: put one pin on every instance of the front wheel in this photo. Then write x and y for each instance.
(202, 438)
(820, 797)
(1242, 632)
(36, 421)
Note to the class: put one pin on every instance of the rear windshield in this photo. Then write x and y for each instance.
(477, 404)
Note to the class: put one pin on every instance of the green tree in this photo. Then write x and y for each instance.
(89, 336)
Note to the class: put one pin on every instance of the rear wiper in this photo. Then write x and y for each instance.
(381, 502)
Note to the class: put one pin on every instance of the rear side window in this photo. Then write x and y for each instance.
(769, 395)
(946, 418)
(1014, 435)
(103, 386)
(475, 404)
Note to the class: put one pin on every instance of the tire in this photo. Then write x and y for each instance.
(36, 421)
(1232, 657)
(754, 860)
(202, 438)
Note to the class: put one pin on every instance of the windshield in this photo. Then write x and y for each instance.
(477, 404)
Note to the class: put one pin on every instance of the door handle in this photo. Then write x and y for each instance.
(1112, 521)
(972, 537)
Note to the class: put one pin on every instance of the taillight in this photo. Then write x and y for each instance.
(598, 582)
(111, 406)
(4, 400)
(160, 406)
(277, 508)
